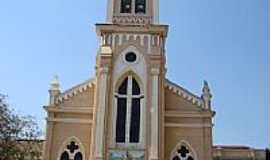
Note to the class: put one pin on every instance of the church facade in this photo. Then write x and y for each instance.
(130, 110)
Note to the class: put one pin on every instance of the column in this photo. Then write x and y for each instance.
(154, 115)
(156, 11)
(110, 10)
(100, 113)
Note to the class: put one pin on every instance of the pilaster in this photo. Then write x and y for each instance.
(48, 143)
(100, 113)
(154, 145)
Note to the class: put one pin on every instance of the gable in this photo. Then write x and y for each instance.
(80, 96)
(179, 99)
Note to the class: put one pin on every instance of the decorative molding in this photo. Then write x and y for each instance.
(70, 120)
(77, 110)
(155, 71)
(104, 70)
(187, 125)
(184, 93)
(75, 91)
(179, 114)
(132, 19)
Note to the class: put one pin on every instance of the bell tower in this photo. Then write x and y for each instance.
(133, 11)
(130, 72)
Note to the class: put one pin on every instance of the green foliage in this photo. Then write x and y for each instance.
(18, 135)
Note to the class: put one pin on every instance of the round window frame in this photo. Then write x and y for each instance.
(128, 62)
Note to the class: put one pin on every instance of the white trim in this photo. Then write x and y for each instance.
(78, 110)
(187, 125)
(66, 142)
(70, 120)
(149, 44)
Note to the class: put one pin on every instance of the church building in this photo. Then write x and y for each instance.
(130, 110)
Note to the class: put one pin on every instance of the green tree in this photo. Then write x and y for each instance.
(19, 135)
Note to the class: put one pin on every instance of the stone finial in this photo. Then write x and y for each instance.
(54, 84)
(206, 95)
(54, 90)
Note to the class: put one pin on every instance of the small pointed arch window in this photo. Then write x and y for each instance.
(64, 156)
(126, 6)
(183, 152)
(72, 150)
(78, 156)
(140, 6)
(128, 116)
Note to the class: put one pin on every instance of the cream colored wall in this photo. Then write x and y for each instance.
(177, 103)
(63, 131)
(185, 121)
(73, 117)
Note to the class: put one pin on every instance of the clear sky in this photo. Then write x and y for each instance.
(226, 42)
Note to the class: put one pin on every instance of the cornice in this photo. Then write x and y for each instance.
(77, 110)
(194, 114)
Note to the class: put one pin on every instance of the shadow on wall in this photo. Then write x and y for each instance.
(267, 152)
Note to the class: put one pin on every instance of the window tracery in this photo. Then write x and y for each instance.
(128, 117)
(71, 150)
(183, 152)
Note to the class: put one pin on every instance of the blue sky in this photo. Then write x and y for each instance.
(226, 42)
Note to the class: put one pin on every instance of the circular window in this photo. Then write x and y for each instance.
(131, 57)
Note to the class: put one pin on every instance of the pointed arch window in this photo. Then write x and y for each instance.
(78, 156)
(126, 6)
(140, 6)
(128, 117)
(64, 156)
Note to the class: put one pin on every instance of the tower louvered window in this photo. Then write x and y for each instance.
(126, 6)
(128, 111)
(140, 6)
